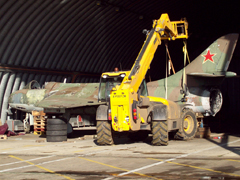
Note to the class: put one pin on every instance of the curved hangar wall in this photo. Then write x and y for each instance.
(57, 39)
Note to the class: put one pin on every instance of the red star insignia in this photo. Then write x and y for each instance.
(209, 57)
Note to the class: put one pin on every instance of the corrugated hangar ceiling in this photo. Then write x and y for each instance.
(79, 39)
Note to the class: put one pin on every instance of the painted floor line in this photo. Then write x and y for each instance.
(47, 162)
(111, 166)
(177, 157)
(232, 160)
(40, 167)
(196, 167)
(11, 169)
(35, 159)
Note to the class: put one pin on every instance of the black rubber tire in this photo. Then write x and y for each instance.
(56, 121)
(56, 130)
(138, 135)
(56, 127)
(56, 138)
(159, 133)
(56, 133)
(104, 133)
(187, 132)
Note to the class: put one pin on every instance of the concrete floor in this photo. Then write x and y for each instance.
(29, 156)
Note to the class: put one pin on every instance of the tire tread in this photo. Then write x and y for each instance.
(104, 133)
(160, 133)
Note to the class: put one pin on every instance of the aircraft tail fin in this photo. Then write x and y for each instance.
(216, 58)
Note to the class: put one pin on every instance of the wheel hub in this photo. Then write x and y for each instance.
(188, 124)
(185, 124)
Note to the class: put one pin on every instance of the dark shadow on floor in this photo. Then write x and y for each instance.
(224, 143)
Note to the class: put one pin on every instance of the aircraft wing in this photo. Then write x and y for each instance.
(67, 102)
(67, 96)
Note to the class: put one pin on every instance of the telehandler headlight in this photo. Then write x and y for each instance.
(122, 75)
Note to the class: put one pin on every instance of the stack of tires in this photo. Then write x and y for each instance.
(56, 130)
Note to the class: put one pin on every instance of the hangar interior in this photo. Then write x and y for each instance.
(79, 39)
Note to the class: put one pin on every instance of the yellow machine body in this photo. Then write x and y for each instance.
(126, 98)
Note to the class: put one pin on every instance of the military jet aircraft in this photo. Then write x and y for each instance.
(195, 86)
